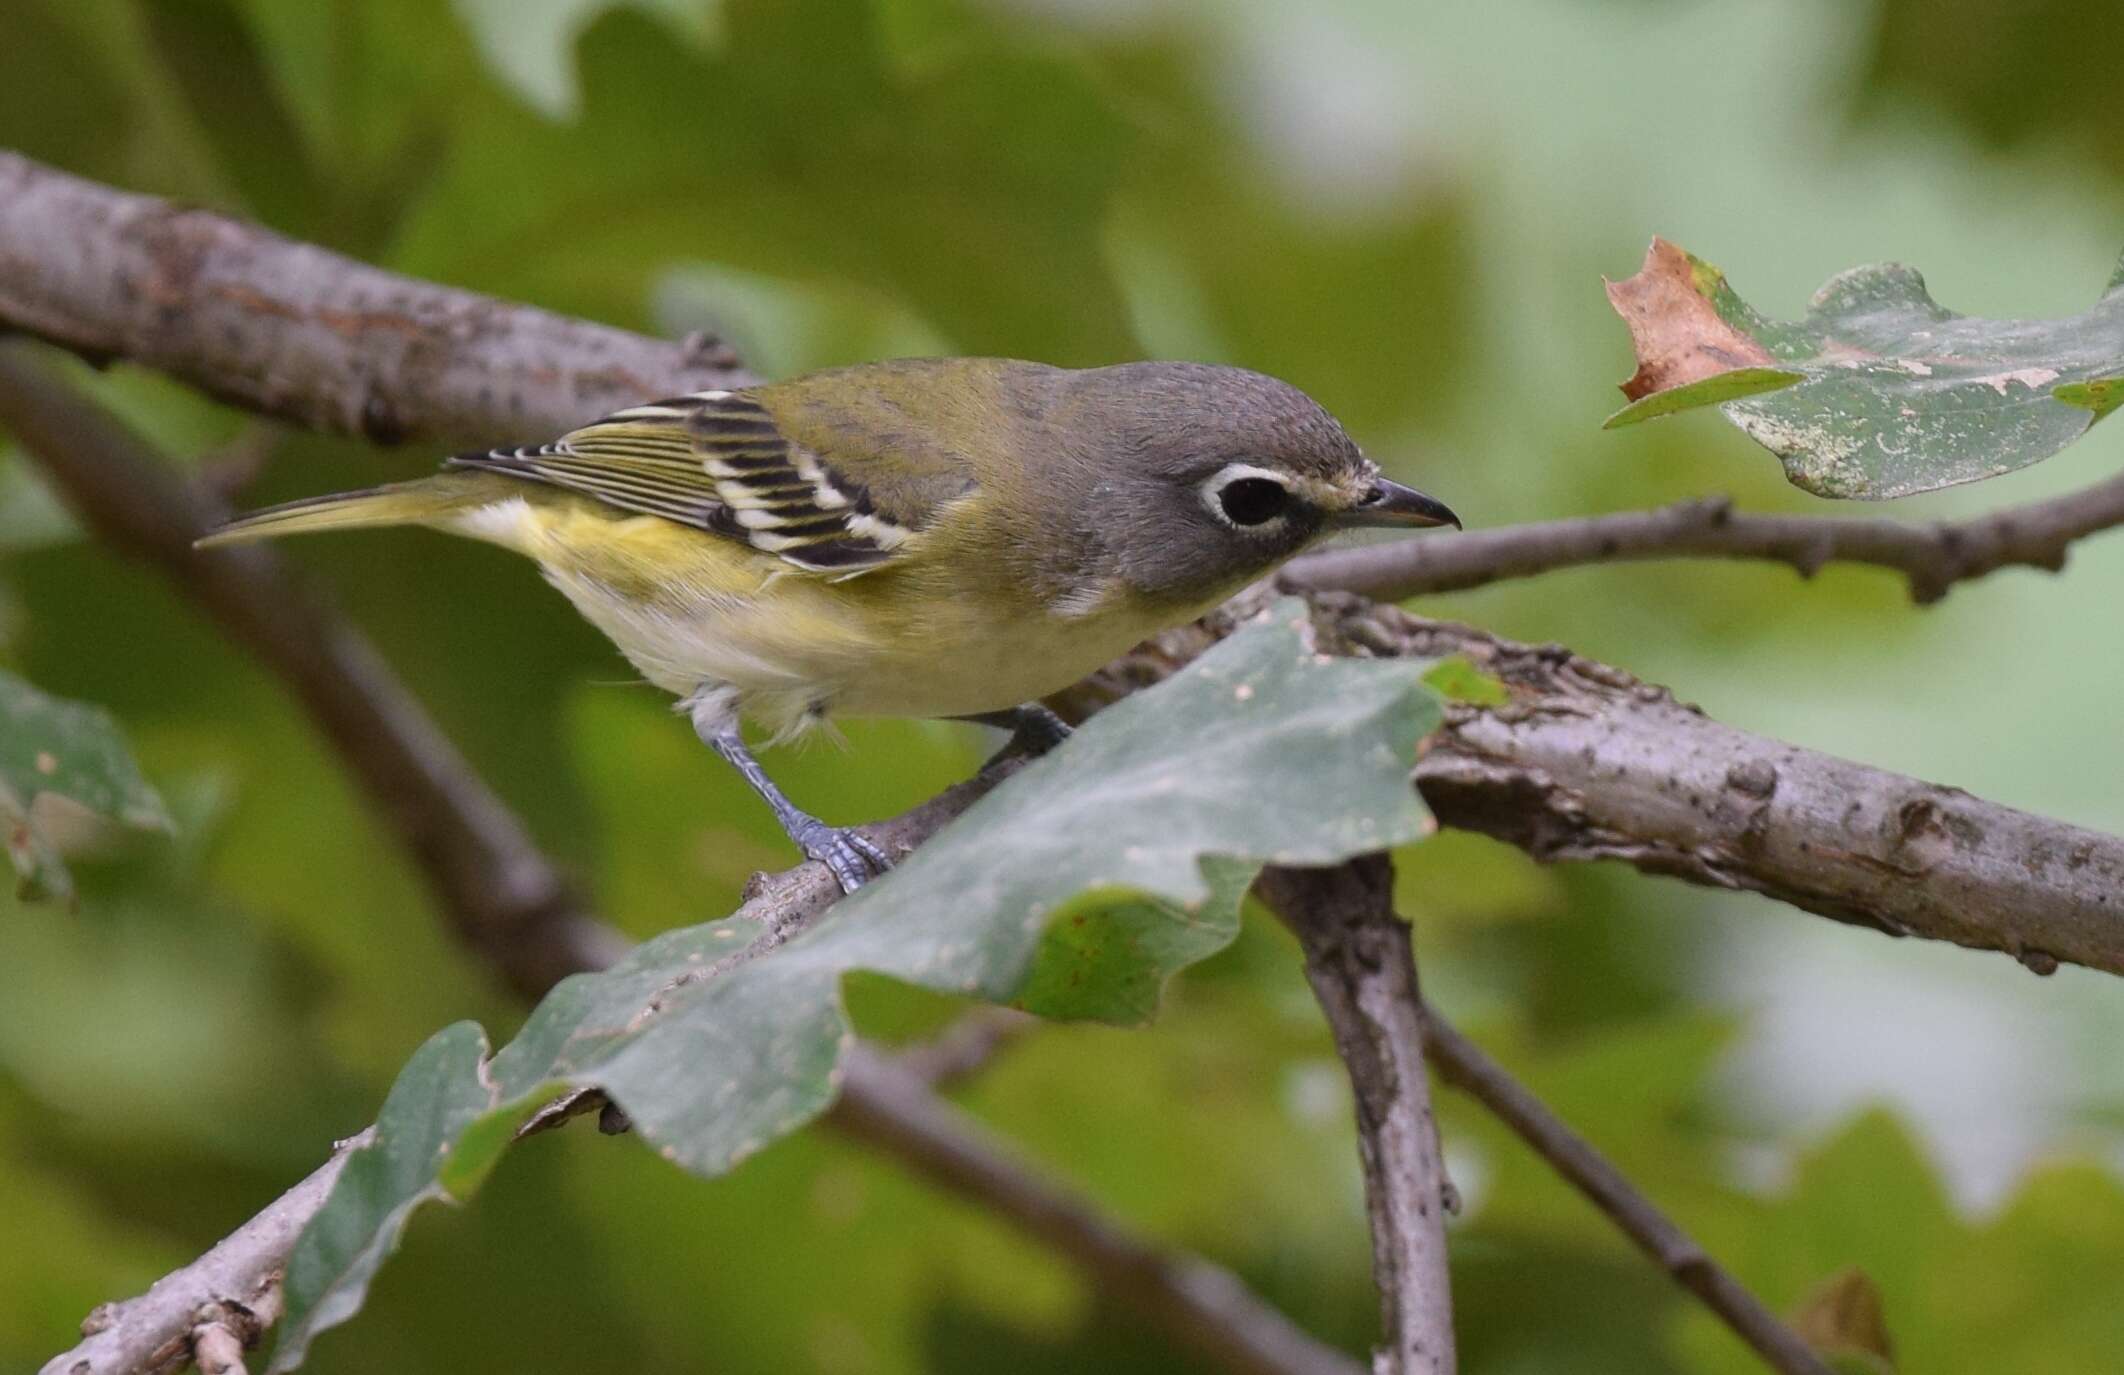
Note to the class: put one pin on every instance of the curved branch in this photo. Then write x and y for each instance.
(1933, 557)
(291, 330)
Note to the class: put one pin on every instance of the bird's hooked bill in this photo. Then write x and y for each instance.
(1390, 503)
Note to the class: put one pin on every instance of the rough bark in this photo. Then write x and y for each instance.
(1363, 972)
(1585, 762)
(292, 330)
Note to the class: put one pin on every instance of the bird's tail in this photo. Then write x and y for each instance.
(424, 501)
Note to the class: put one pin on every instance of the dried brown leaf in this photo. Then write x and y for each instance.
(1675, 328)
(1844, 1317)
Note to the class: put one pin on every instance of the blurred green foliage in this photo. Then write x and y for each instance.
(1404, 209)
(63, 767)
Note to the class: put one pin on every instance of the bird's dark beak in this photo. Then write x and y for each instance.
(1390, 503)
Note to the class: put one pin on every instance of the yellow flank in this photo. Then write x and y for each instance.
(939, 631)
(909, 639)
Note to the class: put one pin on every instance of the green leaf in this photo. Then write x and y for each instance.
(1076, 890)
(1711, 391)
(214, 60)
(1956, 1291)
(50, 747)
(1457, 680)
(681, 152)
(439, 1095)
(31, 517)
(531, 43)
(1879, 392)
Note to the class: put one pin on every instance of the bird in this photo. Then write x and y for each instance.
(948, 537)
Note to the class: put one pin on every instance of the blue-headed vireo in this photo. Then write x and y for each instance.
(949, 537)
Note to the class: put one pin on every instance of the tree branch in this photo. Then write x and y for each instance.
(1584, 762)
(506, 898)
(966, 1046)
(237, 1284)
(1461, 1063)
(1363, 972)
(1933, 557)
(290, 330)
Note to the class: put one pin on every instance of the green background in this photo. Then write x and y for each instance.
(1406, 210)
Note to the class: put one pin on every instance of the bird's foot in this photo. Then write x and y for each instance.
(853, 857)
(1037, 730)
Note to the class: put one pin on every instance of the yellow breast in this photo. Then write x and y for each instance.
(690, 609)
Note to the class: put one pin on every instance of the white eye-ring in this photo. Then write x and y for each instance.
(1247, 498)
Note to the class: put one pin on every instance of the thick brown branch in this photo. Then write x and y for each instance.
(290, 330)
(505, 896)
(1462, 1064)
(1585, 762)
(1363, 972)
(1933, 557)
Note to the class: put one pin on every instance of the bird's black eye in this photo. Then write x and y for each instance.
(1253, 500)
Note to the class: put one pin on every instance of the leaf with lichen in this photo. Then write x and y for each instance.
(57, 755)
(1074, 890)
(1880, 391)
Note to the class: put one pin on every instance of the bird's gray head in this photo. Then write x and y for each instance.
(1203, 478)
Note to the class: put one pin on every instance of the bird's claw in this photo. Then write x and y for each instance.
(853, 858)
(1038, 730)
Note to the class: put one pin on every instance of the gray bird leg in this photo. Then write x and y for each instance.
(853, 859)
(1034, 730)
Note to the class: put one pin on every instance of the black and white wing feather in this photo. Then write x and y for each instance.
(718, 462)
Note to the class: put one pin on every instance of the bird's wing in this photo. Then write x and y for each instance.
(717, 461)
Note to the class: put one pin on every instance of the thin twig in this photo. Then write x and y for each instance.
(1933, 557)
(1363, 972)
(1461, 1063)
(966, 1046)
